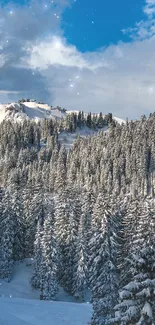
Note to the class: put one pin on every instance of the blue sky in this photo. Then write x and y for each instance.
(91, 24)
(82, 55)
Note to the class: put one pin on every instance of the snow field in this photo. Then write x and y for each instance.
(20, 304)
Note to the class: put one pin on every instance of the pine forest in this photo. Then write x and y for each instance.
(86, 214)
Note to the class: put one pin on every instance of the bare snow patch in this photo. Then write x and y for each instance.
(33, 312)
(68, 138)
(20, 305)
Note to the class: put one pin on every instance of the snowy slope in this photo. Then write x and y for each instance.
(40, 111)
(20, 305)
(33, 312)
(119, 120)
(68, 138)
(35, 111)
(32, 110)
(28, 110)
(20, 287)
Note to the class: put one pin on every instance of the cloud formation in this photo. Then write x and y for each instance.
(37, 61)
(20, 27)
(145, 28)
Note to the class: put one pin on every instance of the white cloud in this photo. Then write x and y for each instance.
(149, 8)
(145, 28)
(55, 51)
(6, 92)
(118, 79)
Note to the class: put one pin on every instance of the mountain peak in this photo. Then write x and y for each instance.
(33, 110)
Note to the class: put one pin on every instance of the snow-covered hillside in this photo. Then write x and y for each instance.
(20, 305)
(68, 138)
(119, 120)
(34, 111)
(28, 110)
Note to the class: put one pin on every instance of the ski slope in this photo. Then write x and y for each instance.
(20, 305)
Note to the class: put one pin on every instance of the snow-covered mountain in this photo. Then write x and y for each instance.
(28, 110)
(34, 111)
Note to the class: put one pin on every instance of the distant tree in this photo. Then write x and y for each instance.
(100, 122)
(89, 120)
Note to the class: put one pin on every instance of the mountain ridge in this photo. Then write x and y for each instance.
(33, 110)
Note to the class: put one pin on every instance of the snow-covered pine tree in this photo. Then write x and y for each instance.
(138, 294)
(137, 298)
(7, 238)
(81, 274)
(53, 168)
(36, 204)
(30, 220)
(49, 284)
(66, 227)
(36, 279)
(103, 270)
(61, 226)
(80, 281)
(19, 222)
(131, 209)
(60, 180)
(86, 219)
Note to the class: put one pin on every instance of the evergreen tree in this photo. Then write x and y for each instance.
(7, 239)
(49, 285)
(104, 273)
(19, 223)
(60, 181)
(36, 280)
(80, 281)
(66, 227)
(137, 298)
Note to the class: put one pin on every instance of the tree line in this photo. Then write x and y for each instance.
(86, 215)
